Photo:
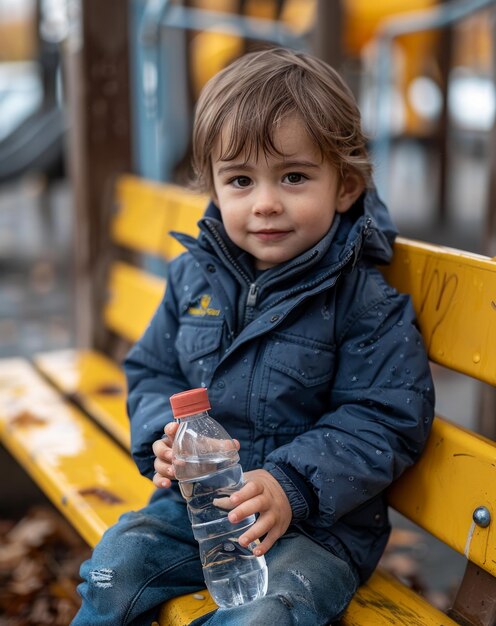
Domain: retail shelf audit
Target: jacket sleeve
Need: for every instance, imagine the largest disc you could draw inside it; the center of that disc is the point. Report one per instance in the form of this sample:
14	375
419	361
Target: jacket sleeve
381	410
153	374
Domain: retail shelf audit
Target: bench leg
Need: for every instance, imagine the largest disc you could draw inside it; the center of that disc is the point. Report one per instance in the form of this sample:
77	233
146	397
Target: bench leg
475	602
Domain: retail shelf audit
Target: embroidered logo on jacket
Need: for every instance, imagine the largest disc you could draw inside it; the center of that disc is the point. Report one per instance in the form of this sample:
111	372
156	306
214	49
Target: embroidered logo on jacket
203	309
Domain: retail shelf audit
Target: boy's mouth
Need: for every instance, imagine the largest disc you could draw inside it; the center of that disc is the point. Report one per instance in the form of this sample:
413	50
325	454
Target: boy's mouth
269	234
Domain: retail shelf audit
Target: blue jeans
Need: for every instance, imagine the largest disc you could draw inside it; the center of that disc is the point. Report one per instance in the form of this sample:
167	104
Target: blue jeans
150	556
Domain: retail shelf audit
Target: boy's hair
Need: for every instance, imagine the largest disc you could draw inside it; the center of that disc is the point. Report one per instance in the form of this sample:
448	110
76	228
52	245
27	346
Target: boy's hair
256	92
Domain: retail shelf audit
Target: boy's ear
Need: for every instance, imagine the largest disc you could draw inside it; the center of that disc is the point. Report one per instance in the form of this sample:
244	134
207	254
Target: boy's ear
349	191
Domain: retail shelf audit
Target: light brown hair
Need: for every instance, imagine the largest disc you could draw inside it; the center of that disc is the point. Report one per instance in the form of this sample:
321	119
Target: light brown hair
256	92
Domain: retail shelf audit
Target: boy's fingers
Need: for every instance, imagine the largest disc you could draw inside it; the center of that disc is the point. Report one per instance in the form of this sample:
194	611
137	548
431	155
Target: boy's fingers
162	451
163	468
159	447
245	509
160	481
223	503
170	429
258	530
266	544
248	491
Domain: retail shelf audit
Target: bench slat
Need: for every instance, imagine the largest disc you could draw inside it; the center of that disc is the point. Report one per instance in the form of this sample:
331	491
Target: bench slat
385	600
142	219
455	475
93	381
91	479
133	297
184	609
441	281
147	211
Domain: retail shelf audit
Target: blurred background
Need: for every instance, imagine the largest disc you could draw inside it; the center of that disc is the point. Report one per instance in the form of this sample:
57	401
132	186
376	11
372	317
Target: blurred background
90	89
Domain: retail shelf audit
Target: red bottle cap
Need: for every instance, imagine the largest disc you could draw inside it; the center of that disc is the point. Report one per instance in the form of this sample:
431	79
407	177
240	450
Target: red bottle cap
189	402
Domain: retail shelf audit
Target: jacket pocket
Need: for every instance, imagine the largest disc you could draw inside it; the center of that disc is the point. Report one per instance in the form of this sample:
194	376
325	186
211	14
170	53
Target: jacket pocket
305	361
197	345
295	388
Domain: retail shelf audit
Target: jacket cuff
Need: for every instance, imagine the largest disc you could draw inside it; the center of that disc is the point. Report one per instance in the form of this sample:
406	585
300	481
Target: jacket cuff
145	465
301	496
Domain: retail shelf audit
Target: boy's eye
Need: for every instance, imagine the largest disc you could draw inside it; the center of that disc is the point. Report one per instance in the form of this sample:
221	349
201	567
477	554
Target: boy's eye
294	178
240	181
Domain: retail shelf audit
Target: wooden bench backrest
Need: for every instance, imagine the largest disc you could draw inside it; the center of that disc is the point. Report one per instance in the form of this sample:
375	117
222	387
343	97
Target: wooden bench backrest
453	295
146	212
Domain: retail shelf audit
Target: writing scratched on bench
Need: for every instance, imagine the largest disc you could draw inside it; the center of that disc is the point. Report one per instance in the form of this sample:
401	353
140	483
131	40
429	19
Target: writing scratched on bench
438	289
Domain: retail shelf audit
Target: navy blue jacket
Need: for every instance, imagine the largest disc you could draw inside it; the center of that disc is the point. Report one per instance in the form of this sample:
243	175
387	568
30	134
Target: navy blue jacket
316	366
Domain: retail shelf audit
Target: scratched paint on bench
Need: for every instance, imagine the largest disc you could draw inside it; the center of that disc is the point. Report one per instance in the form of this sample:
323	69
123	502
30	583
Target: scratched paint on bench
384	600
441	281
73	460
94	382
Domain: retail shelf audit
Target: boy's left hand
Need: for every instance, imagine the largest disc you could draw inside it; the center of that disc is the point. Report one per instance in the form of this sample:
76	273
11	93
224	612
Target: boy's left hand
264	495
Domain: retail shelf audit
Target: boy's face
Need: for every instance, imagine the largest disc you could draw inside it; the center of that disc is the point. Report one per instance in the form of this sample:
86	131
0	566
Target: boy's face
276	207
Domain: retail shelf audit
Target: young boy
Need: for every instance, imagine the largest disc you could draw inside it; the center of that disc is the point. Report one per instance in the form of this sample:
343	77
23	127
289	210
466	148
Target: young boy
311	360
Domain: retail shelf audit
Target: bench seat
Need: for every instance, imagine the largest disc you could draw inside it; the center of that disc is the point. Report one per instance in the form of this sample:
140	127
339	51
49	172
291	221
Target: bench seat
94	382
383	601
87	475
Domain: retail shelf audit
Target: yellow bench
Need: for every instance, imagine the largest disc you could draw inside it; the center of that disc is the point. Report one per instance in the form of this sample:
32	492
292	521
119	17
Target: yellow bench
62	415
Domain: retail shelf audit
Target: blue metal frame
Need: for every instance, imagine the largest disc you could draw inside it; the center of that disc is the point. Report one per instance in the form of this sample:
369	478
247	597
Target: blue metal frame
431	19
161	127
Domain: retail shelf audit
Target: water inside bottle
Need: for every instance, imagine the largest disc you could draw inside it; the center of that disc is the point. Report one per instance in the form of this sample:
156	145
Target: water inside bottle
189	467
233	574
235	579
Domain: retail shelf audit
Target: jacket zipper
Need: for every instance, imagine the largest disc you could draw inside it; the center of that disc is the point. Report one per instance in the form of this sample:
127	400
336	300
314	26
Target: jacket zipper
251	300
252	297
226	252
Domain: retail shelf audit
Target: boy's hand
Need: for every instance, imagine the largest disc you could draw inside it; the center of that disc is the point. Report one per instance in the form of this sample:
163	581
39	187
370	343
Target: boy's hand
264	495
162	448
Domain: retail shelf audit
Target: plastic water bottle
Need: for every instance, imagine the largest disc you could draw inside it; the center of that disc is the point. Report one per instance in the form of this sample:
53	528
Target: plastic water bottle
207	467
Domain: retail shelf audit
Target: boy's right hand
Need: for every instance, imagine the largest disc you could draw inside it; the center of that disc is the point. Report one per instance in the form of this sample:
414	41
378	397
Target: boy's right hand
162	448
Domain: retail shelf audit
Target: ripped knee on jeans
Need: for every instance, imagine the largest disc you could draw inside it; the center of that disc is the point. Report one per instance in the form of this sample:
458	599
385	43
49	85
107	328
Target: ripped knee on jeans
102	577
285	600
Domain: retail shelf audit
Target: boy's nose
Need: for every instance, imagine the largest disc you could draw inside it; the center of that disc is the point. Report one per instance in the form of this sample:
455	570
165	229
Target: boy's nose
267	202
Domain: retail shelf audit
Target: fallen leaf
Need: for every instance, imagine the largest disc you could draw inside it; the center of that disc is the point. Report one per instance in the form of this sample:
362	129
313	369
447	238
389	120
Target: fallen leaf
32	531
11	555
